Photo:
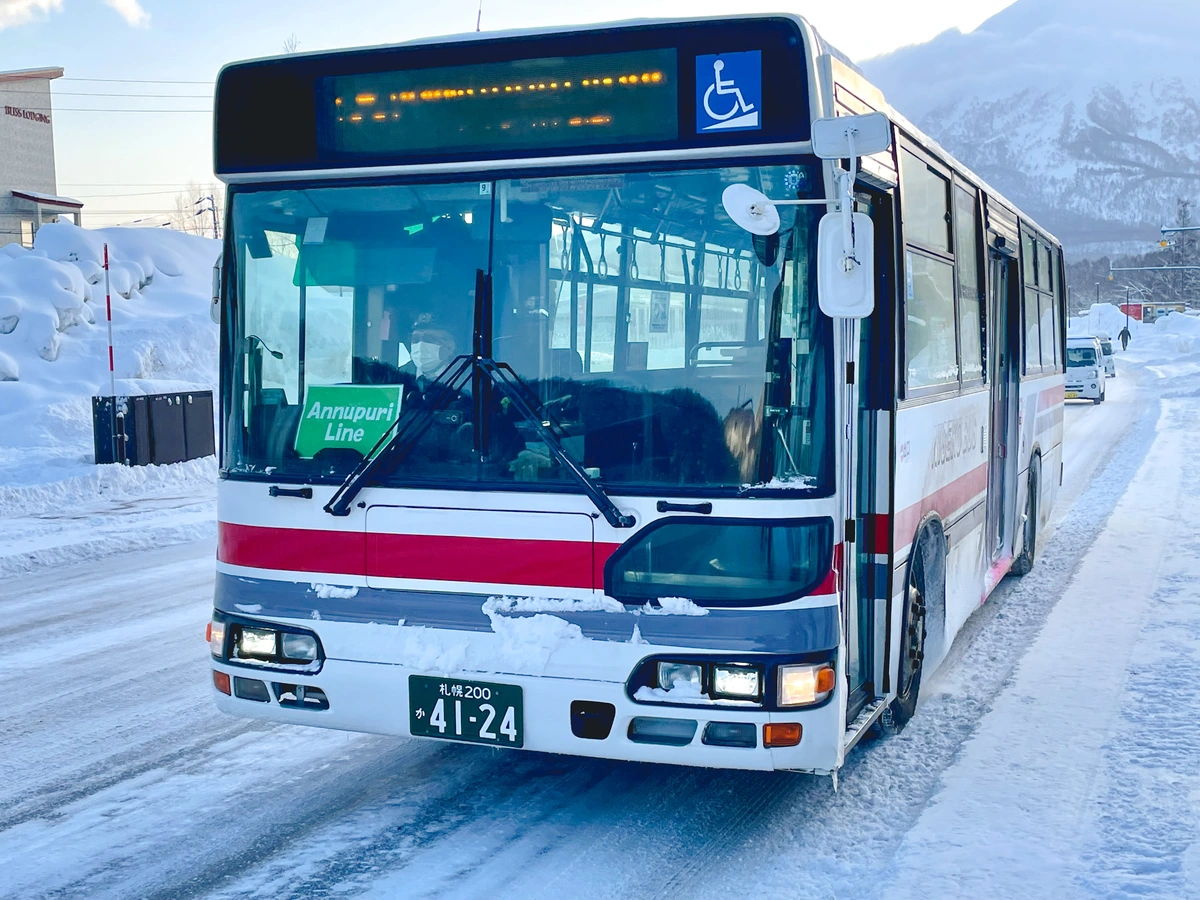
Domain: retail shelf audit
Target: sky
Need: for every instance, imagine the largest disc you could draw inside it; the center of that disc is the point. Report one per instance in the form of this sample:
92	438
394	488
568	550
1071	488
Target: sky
128	166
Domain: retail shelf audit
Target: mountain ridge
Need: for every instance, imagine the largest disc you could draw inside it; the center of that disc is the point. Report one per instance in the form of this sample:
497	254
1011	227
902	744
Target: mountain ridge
1086	115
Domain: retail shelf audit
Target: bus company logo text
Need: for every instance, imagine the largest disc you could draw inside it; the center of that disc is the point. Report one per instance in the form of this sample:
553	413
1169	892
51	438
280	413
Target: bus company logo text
954	439
29	114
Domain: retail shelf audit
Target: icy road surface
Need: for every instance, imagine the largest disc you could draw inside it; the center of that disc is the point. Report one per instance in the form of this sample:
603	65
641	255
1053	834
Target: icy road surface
1058	735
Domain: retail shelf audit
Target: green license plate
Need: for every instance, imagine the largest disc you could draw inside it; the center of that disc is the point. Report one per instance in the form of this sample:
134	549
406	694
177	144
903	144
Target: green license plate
1072	395
475	711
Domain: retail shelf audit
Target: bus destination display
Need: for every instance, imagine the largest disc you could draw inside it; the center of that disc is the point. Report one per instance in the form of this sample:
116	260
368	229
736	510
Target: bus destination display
601	99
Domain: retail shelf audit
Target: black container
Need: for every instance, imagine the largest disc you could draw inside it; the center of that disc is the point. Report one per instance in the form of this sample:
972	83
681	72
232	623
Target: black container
153	429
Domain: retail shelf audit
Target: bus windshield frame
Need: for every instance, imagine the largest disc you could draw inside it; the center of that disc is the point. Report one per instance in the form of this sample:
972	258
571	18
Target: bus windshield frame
719	384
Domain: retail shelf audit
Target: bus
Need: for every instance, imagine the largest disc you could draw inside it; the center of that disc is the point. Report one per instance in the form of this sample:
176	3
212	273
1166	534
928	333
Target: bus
588	391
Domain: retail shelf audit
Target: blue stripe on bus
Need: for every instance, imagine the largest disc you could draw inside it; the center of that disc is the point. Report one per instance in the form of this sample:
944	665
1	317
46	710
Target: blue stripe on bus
760	631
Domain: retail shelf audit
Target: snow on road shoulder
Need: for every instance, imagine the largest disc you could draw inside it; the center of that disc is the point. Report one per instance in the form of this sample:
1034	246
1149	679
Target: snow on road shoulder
56	505
1016	812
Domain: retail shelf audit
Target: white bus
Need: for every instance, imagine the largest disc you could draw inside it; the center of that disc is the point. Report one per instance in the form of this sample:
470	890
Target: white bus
536	430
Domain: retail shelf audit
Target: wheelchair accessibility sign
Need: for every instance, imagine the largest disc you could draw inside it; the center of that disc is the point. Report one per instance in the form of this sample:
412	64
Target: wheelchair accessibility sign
729	91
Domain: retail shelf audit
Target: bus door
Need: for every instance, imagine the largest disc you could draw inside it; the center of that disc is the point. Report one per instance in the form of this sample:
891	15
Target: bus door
866	580
1003	358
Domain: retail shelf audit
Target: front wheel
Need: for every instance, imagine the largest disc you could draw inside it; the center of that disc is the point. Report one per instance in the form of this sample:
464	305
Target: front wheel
912	649
1023	564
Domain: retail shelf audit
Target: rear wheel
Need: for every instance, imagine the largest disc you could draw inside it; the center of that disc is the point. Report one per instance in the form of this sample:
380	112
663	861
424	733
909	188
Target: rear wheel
1024	563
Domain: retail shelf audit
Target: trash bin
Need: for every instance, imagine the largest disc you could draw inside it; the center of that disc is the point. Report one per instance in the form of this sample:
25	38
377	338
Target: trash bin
153	429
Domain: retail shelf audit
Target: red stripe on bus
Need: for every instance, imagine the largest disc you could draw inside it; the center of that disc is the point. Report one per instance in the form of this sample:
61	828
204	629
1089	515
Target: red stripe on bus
945	501
567	564
573	564
1054	396
292	549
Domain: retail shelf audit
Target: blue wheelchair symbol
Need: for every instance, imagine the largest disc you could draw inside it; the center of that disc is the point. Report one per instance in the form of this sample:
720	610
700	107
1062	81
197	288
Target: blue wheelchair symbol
729	91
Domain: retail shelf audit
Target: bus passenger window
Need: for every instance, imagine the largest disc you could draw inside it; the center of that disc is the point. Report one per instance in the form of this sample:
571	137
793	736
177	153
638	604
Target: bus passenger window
925	203
1033	357
966	253
929	330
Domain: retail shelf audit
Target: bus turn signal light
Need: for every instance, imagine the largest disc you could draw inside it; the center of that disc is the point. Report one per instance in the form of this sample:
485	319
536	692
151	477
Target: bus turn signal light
221	682
781	734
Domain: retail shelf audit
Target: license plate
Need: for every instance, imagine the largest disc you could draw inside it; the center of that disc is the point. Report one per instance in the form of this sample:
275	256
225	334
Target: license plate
475	711
1072	395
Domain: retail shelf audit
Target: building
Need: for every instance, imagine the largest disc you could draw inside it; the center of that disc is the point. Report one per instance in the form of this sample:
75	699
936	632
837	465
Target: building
28	186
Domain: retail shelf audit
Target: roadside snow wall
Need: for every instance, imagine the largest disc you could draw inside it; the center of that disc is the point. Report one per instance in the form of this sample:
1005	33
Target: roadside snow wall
53	337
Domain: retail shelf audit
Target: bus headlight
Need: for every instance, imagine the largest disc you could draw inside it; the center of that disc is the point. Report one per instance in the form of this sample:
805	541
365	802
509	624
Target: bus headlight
738	682
299	647
805	685
256	643
671	674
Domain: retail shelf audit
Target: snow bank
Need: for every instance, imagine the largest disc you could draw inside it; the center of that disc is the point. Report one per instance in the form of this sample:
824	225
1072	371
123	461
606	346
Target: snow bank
53	338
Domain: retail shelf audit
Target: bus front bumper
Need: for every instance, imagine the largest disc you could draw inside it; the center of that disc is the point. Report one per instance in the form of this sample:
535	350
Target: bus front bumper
374	698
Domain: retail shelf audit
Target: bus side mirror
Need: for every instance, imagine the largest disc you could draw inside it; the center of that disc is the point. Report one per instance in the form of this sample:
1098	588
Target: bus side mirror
846	239
846	283
214	308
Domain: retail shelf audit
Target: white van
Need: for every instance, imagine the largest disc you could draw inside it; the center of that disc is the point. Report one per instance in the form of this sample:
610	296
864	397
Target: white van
1106	347
1085	369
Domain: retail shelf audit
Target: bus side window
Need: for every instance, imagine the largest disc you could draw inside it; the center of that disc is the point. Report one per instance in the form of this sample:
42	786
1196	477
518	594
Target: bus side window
1033	344
966	252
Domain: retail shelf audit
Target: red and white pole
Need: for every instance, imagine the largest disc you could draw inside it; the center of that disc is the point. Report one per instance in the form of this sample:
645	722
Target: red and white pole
118	418
112	378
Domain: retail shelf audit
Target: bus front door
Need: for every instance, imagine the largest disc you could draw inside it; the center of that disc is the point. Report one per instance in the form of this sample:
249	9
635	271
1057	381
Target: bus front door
1003	359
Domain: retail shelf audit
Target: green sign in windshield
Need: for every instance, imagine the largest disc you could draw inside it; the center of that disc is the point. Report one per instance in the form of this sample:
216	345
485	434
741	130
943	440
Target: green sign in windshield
346	416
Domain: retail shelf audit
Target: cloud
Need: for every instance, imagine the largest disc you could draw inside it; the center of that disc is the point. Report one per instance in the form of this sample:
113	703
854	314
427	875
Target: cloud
129	10
16	12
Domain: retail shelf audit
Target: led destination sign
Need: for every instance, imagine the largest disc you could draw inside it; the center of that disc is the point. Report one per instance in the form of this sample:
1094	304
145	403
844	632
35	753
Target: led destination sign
567	102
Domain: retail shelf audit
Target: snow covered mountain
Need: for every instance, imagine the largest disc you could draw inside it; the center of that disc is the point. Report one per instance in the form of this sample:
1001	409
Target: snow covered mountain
1086	113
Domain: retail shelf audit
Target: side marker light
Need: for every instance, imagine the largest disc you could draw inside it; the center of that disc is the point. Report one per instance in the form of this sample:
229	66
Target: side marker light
781	734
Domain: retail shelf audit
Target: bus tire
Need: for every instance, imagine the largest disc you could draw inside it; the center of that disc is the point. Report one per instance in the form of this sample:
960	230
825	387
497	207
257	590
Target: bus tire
912	647
1023	564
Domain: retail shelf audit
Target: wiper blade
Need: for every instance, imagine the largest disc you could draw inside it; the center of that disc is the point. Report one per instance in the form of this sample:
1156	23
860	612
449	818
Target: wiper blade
518	394
403	435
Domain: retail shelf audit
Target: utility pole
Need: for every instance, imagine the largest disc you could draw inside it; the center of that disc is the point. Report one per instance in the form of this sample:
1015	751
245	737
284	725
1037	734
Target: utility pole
210	208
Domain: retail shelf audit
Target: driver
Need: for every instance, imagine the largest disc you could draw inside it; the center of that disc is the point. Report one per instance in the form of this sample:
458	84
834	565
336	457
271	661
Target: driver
431	348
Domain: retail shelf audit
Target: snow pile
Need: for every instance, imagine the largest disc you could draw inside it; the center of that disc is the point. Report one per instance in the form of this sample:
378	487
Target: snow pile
674	606
1101	318
53	337
509	605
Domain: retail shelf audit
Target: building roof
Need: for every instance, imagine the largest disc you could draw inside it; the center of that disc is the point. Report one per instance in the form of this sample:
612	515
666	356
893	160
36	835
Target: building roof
48	74
49	199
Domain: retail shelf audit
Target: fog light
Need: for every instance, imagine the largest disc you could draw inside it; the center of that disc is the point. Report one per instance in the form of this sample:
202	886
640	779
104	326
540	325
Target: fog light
258	643
804	685
742	682
302	647
671	674
782	734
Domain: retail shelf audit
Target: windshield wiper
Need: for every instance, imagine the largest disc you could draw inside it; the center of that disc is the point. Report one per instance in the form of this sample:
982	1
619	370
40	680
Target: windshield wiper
404	433
519	394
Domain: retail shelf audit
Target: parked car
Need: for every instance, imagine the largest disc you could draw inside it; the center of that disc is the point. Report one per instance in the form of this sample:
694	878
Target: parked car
1110	363
1085	368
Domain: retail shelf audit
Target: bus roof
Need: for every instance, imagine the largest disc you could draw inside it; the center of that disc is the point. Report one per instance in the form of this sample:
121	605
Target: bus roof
819	48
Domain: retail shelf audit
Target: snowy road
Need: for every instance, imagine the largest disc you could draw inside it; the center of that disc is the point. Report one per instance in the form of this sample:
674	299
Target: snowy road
119	779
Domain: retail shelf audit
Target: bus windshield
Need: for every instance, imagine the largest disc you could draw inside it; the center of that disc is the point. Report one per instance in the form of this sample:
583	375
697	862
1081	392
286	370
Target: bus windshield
666	346
1081	356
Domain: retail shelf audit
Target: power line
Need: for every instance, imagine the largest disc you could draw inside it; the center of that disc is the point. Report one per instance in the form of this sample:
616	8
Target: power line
159	96
134	81
59	109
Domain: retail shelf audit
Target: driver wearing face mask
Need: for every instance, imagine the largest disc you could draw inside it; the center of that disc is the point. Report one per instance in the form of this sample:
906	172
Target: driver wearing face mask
431	349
